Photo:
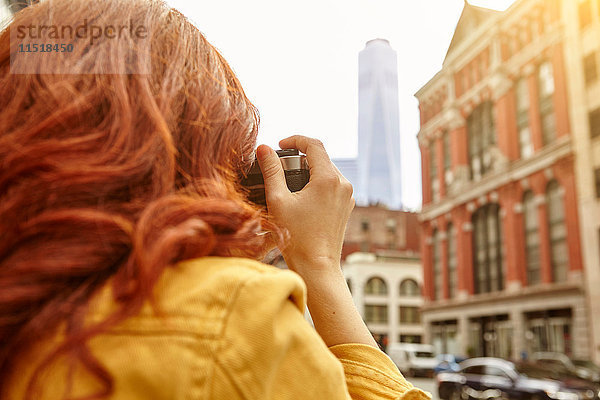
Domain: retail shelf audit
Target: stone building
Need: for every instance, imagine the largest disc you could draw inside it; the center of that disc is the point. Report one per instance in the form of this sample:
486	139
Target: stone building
507	139
386	289
382	266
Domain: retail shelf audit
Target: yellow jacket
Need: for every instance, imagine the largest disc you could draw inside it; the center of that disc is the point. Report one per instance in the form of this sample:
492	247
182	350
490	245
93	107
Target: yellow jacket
230	328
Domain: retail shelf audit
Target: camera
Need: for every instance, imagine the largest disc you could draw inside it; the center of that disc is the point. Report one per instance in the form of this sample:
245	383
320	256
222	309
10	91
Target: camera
296	172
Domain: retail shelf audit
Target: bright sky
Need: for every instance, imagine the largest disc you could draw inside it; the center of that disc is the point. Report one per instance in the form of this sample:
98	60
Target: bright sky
298	62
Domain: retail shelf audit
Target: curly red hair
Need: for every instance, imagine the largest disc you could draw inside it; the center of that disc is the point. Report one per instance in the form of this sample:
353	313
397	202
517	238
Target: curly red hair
115	175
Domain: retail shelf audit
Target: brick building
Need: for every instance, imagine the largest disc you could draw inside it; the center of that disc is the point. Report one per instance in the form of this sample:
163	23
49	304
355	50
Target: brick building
501	140
375	228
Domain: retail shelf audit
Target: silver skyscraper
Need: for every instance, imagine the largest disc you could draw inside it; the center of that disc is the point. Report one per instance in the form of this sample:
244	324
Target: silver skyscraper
378	125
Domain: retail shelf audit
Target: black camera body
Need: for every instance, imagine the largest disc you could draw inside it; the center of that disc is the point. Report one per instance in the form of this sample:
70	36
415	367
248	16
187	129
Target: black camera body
296	172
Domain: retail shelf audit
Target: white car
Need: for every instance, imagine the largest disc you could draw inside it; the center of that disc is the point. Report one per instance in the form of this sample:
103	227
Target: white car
413	359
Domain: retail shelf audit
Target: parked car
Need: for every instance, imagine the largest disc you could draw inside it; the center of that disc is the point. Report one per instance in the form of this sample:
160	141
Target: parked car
448	363
495	378
582	368
413	359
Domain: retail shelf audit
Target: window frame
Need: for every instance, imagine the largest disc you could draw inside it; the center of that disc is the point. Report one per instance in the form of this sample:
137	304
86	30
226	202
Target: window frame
522	104
481	134
590	68
531	225
594	121
371	289
557	232
409	293
546	102
452	261
437	265
488	268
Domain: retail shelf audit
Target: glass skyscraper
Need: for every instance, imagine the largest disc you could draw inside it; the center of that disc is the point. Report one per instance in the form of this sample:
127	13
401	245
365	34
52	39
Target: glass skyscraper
377	170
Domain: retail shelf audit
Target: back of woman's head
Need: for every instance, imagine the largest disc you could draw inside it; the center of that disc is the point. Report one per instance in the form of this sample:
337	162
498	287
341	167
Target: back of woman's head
110	173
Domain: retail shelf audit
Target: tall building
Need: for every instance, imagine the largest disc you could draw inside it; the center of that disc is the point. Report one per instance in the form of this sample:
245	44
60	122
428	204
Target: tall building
378	178
378	125
510	149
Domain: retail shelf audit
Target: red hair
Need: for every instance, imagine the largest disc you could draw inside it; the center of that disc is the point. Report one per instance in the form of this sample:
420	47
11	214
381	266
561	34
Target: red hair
115	176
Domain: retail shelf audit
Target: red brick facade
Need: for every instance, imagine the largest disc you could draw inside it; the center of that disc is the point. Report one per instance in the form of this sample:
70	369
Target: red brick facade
495	172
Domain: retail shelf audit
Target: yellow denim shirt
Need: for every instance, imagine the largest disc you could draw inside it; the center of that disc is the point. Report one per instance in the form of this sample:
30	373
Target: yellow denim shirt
230	328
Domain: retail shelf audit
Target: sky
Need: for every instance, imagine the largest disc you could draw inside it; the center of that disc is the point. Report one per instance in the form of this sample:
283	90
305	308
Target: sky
298	63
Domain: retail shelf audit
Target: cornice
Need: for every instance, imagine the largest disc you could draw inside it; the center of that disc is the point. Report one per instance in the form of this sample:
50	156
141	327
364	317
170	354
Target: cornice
510	172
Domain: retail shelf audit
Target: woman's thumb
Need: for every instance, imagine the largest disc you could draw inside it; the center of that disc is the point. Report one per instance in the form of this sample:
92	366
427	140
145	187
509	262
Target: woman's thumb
272	172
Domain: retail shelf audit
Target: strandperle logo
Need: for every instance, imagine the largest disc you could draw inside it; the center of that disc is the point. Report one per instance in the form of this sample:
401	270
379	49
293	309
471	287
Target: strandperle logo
82	31
84	47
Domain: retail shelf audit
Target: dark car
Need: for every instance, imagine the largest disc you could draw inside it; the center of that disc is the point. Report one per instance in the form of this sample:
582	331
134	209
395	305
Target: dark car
494	378
582	368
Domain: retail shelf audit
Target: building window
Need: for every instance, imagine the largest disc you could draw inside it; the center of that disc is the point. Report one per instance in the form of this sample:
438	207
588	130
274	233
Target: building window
391	229
376	286
365	242
558	232
480	128
447	159
437	266
487	247
597	176
435	185
444	337
452	277
410	338
525	144
595	123
409	287
585	13
532	239
550	330
377	314
364	225
410	315
590	69
546	90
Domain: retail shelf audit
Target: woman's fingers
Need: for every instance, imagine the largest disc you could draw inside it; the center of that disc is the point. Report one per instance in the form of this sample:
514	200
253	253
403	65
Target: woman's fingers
316	155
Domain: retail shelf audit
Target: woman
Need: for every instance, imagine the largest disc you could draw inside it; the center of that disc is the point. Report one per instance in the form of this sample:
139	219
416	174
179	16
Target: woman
128	248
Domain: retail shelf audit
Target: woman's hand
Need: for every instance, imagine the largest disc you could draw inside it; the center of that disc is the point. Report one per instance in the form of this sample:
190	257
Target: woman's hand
316	218
317	215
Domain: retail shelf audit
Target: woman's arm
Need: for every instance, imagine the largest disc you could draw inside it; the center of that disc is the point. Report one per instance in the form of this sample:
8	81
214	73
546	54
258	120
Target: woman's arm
316	219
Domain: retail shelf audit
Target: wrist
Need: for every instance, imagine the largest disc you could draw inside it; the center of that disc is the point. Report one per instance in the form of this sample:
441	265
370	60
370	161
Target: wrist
316	268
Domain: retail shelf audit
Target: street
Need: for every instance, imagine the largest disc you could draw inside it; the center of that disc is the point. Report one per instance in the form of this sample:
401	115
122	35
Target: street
426	384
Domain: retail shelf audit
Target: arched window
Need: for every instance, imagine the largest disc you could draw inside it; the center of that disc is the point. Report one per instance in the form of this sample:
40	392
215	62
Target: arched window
487	245
558	232
532	239
409	287
376	286
452	277
546	93
437	266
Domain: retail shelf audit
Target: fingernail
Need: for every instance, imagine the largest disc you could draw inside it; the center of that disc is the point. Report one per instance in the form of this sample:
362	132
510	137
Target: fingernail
263	151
